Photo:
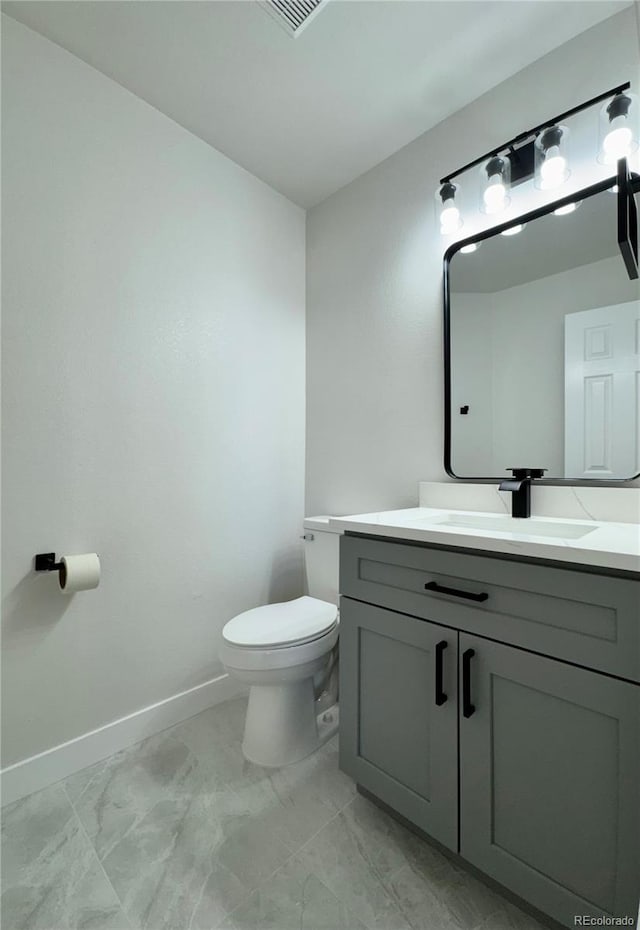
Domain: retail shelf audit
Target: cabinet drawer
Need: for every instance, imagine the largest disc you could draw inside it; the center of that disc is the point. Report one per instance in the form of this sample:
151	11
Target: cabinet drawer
590	620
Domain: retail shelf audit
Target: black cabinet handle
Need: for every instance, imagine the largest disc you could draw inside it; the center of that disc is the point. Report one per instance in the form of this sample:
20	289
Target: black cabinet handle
440	588
441	697
467	707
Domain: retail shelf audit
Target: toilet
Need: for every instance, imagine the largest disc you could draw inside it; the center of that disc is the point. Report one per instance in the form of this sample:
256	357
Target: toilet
287	654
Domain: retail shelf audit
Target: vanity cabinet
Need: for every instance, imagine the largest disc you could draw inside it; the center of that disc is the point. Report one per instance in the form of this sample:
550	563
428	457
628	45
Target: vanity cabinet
456	716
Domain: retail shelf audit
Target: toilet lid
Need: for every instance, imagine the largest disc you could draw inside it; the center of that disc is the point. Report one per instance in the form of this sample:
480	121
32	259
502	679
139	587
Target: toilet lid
297	621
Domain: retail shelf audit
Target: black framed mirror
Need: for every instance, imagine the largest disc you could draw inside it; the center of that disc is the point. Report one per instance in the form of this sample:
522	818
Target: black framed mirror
542	342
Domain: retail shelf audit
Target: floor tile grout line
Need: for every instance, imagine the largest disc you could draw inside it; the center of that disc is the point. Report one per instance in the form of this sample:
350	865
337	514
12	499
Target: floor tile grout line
134	746
95	853
291	854
233	788
289	858
102	763
197	902
374	869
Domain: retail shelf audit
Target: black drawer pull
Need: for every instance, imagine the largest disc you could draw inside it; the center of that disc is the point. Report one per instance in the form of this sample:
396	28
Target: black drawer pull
467	595
468	709
441	697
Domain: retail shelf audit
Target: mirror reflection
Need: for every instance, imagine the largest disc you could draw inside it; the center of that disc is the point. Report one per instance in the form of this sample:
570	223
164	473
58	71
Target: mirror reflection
545	350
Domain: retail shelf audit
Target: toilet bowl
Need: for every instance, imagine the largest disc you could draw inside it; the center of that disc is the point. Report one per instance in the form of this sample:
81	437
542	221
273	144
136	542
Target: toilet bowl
287	653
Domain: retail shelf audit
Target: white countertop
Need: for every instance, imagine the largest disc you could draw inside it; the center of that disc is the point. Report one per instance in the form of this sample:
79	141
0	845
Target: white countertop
608	545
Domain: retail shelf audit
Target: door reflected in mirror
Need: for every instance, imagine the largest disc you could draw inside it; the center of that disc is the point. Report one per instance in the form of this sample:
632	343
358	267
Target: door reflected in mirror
544	361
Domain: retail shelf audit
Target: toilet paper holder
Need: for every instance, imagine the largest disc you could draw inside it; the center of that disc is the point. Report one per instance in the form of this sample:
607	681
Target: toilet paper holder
46	562
75	572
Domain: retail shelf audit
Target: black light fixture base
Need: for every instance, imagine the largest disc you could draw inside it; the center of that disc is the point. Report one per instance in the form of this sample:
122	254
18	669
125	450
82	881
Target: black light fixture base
522	162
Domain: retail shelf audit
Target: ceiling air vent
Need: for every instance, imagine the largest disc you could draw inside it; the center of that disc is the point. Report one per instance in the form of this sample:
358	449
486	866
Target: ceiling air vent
293	15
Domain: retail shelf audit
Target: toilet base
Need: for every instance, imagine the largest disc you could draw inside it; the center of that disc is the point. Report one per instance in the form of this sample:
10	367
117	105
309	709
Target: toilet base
283	725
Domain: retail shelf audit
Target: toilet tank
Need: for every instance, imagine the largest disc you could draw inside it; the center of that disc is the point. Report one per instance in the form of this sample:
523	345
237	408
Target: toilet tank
321	547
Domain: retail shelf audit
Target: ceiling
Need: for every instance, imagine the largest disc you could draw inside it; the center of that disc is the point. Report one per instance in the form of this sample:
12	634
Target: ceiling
546	246
310	114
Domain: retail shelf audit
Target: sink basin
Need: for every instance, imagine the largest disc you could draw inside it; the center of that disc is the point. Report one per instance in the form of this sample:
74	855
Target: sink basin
527	527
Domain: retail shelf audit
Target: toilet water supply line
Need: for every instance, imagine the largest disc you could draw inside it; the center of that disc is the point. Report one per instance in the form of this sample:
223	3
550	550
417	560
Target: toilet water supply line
324	681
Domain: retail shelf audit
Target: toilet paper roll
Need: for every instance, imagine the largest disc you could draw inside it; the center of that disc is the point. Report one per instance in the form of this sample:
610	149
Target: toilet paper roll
79	572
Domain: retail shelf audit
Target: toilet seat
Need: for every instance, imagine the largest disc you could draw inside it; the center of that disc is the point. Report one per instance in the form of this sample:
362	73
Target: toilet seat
281	626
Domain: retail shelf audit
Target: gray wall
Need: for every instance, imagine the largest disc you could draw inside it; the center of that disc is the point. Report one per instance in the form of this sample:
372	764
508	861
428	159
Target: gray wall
374	276
153	302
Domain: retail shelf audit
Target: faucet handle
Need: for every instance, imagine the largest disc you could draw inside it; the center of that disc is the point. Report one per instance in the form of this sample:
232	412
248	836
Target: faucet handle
520	473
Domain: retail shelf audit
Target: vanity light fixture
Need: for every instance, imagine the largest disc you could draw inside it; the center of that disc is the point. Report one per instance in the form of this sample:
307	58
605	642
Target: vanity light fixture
447	200
540	153
496	177
472	247
618	128
513	230
551	158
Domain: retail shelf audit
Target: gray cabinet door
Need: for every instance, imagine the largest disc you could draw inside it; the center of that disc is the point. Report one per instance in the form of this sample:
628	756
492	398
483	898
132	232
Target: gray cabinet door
395	739
549	781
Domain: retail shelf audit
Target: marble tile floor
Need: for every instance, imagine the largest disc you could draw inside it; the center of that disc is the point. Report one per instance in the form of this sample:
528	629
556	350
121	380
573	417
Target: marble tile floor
181	833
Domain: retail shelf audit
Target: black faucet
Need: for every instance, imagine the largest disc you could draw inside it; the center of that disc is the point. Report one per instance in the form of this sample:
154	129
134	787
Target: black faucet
520	486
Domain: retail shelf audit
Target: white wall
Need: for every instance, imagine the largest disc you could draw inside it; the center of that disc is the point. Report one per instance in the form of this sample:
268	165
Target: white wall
472	434
154	396
374	278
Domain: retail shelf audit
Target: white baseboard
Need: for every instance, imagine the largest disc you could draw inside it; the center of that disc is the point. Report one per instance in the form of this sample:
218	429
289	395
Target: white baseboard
48	767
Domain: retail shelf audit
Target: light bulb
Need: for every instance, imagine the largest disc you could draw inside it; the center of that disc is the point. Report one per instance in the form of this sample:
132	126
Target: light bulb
553	170
568	208
449	217
495	196
618	128
472	247
496	184
447	210
617	142
551	157
513	231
